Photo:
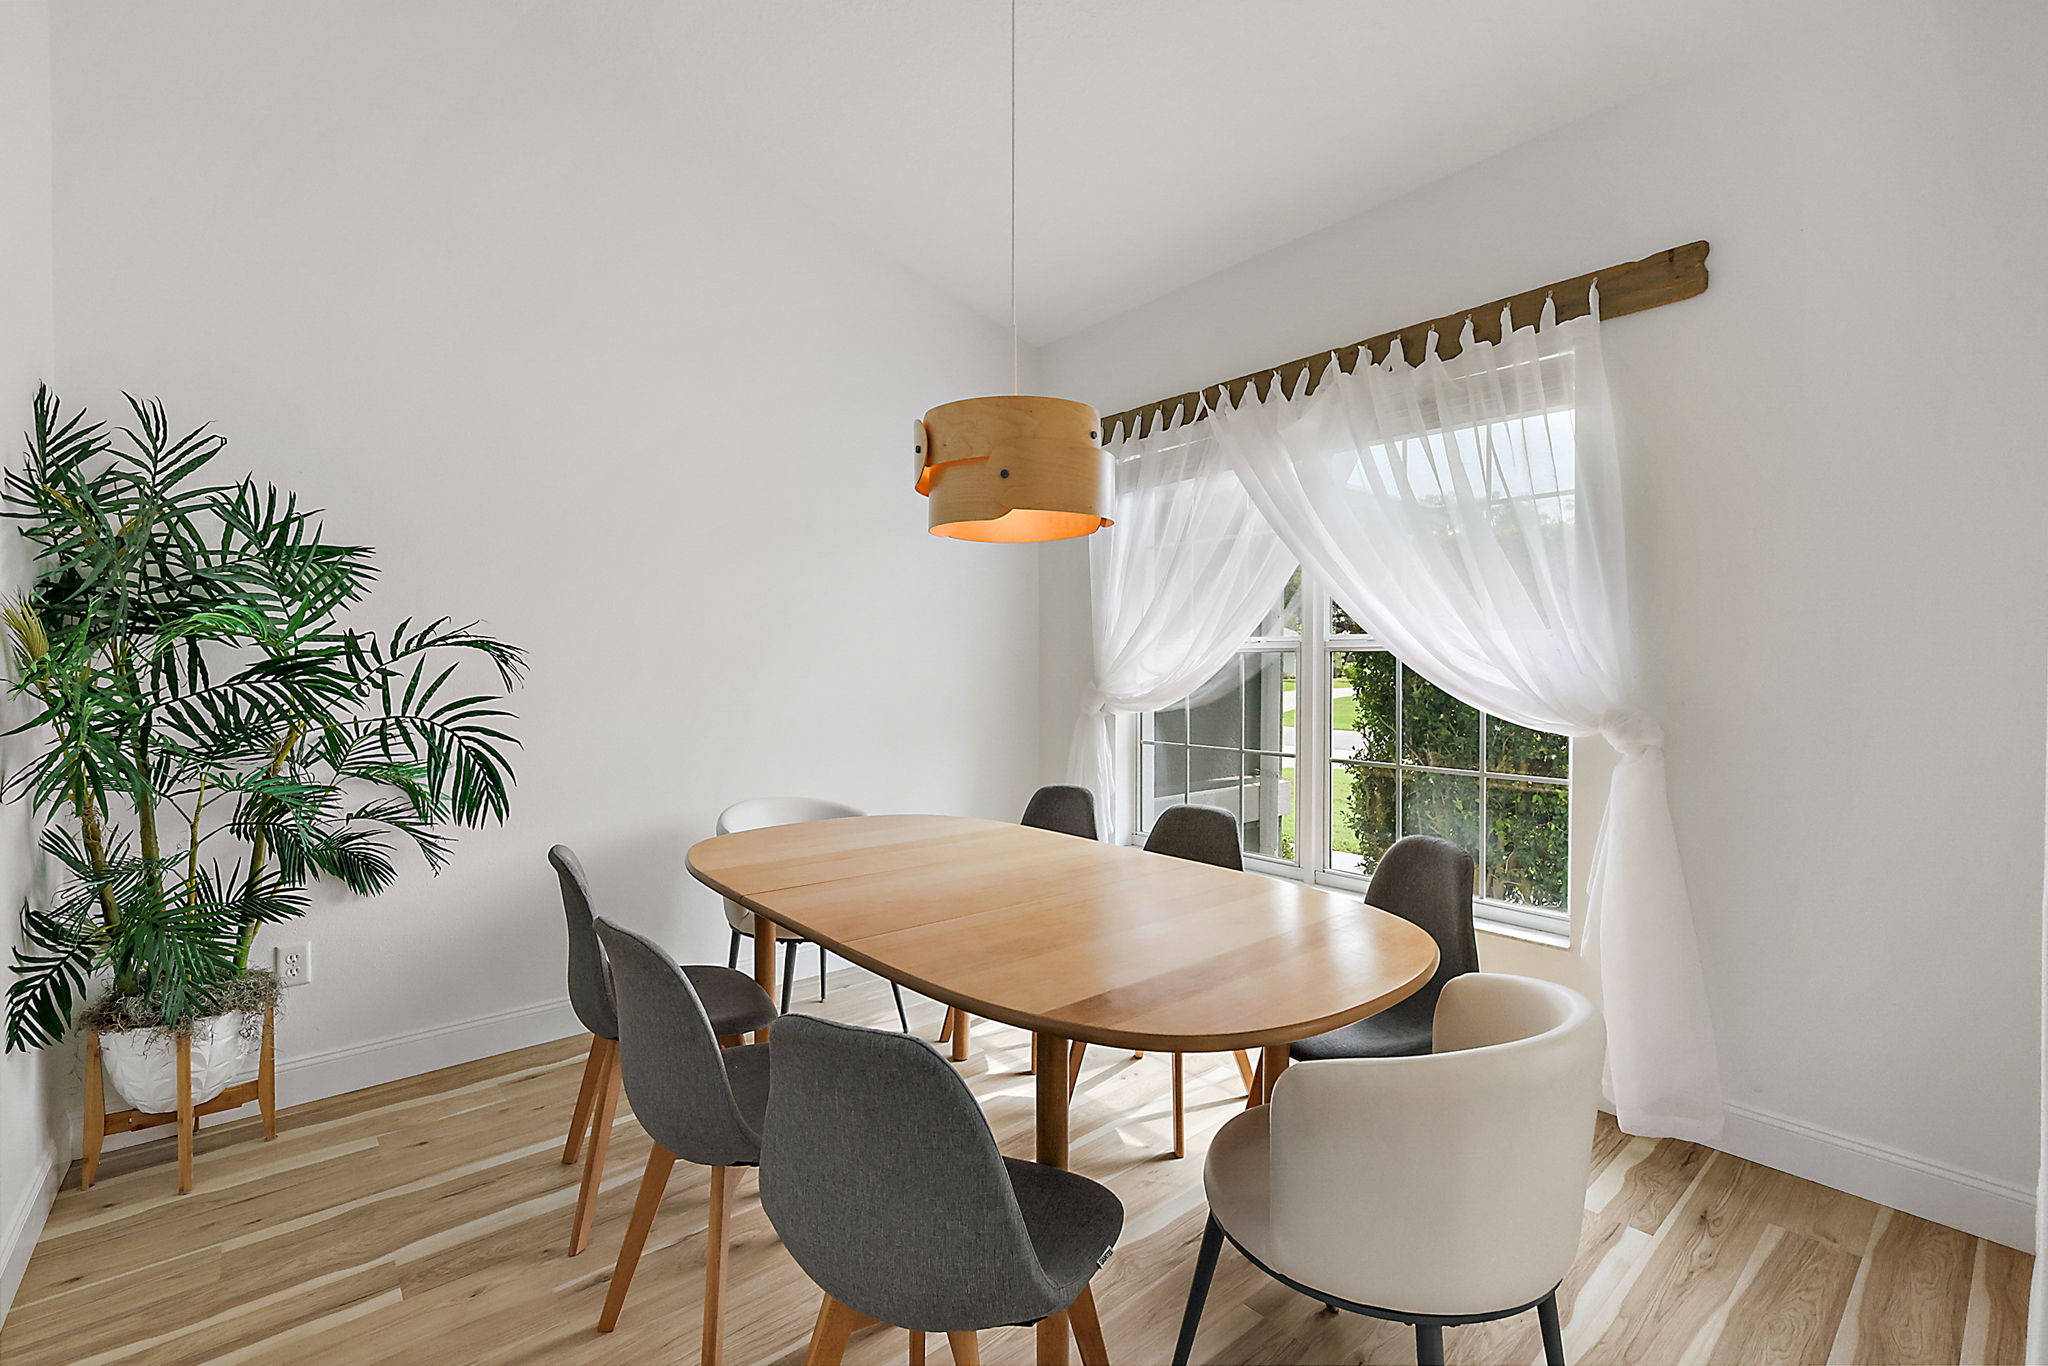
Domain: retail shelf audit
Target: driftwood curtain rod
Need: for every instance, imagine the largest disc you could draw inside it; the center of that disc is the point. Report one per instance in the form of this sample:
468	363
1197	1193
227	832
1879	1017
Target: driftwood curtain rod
1665	278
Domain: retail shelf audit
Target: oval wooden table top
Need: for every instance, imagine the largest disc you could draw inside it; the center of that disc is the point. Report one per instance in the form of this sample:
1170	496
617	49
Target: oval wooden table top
1071	937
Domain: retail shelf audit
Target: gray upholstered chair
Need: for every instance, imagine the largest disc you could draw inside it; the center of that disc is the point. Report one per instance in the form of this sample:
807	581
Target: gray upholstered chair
1068	811
735	1005
1428	882
699	1102
1200	834
879	1172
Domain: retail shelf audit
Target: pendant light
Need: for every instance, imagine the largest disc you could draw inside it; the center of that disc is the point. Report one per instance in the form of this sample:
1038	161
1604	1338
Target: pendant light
1013	467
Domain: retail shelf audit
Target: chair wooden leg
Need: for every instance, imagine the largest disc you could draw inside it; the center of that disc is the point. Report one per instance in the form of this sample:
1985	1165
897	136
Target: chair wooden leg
916	1348
95	1110
1245	1070
731	1040
960	1022
717	1243
1054	1338
601	1115
1075	1052
966	1348
1256	1096
1180	1112
586	1097
946	1029
188	1123
1032	1070
836	1323
266	1074
1087	1328
652	1185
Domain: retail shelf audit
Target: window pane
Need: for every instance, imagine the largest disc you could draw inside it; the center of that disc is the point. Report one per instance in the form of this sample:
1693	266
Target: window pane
1216	711
1285	618
1268	697
1214	778
1517	749
1362	704
1267	806
1526	859
1170	724
1437	729
1442	804
1362	825
1164	779
1341	623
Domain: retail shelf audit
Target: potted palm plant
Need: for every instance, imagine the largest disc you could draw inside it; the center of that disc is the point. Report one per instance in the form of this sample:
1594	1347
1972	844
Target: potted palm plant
209	737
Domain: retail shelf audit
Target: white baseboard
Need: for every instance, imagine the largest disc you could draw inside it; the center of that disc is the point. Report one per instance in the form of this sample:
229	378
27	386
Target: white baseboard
337	1071
24	1224
1970	1201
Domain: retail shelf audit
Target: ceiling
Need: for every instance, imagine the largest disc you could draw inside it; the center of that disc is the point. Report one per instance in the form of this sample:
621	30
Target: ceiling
1159	141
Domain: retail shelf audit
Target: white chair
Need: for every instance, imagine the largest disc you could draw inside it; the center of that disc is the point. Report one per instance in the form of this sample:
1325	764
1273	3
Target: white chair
1433	1190
758	813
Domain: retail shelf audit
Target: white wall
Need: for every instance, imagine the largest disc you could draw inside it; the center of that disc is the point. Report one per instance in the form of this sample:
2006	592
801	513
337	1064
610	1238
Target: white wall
569	381
30	1132
1837	486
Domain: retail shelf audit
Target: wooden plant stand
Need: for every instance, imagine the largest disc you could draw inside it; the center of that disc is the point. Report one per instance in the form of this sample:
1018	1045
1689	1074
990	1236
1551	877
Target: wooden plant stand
98	1123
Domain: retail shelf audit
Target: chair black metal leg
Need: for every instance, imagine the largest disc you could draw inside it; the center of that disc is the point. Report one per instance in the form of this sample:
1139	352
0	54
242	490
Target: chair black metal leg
1198	1290
788	973
1553	1332
821	972
902	1015
1429	1344
732	955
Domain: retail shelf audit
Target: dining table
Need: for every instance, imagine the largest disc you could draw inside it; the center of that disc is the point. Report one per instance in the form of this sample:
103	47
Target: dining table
1075	940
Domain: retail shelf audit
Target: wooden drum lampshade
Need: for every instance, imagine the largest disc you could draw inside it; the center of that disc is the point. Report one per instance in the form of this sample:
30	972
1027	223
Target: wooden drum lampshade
1015	467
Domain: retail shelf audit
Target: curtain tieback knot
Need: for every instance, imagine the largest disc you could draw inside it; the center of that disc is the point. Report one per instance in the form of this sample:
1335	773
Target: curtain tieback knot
1631	731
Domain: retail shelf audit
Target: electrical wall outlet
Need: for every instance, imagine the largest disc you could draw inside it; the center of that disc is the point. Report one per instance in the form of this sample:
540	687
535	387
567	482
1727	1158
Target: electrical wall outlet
293	964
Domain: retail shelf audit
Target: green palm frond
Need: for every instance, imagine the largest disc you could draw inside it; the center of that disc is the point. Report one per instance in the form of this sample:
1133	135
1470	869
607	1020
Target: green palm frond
189	677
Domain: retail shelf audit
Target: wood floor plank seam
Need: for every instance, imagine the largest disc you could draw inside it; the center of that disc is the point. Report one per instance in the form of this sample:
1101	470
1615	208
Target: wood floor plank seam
424	1221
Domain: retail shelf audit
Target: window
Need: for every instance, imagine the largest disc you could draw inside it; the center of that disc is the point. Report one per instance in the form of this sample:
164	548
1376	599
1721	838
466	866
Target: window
1328	749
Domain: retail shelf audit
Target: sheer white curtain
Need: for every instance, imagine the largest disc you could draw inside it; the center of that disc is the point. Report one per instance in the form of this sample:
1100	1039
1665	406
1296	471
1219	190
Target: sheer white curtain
1189	572
1467	512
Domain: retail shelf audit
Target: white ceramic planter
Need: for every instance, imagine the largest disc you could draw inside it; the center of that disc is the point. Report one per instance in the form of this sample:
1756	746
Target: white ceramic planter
142	1064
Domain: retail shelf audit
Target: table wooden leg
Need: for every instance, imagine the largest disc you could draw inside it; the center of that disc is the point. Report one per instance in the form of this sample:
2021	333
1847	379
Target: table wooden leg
1271	1064
764	966
1053	1339
959	1036
1180	1106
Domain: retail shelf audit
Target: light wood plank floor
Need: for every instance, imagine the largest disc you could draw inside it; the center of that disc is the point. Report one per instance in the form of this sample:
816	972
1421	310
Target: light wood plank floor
426	1221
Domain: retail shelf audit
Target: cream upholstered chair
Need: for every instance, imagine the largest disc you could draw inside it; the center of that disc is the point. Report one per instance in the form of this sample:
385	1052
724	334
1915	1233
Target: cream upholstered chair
758	813
1434	1190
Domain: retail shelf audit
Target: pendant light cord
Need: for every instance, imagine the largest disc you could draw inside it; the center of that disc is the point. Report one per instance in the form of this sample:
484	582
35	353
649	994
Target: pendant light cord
1013	197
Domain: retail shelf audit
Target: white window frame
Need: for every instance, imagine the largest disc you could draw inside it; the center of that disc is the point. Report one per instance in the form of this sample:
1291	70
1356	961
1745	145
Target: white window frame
1313	650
